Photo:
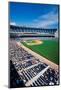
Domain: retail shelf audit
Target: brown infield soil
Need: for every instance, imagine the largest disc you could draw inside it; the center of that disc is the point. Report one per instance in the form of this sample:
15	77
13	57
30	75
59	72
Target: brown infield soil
41	58
36	42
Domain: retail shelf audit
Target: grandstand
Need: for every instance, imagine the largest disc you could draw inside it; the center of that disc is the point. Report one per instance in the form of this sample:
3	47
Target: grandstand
32	71
29	71
22	31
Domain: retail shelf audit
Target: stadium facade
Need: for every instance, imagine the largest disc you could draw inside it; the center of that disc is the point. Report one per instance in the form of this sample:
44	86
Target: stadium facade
22	31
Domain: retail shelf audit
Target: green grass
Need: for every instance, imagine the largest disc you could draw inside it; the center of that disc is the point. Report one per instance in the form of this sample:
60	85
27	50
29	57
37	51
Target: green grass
49	49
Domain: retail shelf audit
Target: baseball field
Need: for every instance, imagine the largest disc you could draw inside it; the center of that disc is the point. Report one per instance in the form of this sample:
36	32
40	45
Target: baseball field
47	48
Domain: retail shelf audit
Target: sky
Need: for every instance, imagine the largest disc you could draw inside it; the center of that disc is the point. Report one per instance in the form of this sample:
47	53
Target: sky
33	15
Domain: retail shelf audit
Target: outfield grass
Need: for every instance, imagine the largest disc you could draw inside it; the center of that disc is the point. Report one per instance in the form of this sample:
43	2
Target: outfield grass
48	49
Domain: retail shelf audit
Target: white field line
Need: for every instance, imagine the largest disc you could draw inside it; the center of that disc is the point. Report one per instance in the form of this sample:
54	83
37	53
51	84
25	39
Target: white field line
41	58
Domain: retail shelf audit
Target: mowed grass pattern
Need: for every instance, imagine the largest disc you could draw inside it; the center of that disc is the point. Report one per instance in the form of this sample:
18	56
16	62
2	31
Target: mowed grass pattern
49	49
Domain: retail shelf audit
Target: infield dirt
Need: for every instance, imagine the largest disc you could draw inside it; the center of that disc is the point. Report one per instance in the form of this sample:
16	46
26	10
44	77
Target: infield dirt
33	42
